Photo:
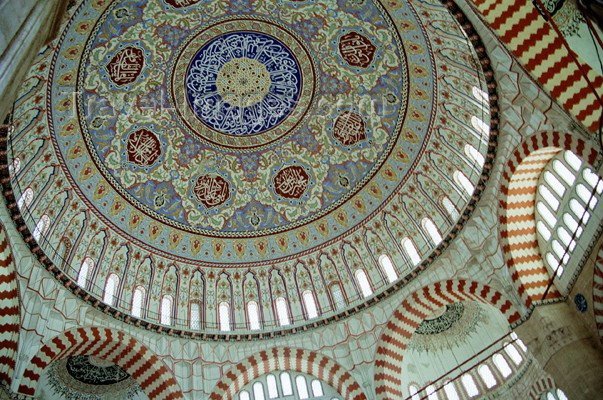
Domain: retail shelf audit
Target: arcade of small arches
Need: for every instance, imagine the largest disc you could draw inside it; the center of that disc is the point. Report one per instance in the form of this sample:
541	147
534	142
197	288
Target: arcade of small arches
445	243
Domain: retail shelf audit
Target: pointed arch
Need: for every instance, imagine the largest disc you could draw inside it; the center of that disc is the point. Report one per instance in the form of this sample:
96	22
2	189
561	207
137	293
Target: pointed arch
410	314
153	376
277	359
10	318
516	209
598	292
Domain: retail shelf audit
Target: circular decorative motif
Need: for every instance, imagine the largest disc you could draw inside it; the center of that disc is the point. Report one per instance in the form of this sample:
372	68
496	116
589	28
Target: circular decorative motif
581	302
453	313
92	371
243	83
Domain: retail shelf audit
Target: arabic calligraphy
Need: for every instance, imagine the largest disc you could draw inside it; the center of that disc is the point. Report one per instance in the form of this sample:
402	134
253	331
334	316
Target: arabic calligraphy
243	102
349	128
291	182
181	3
356	50
143	148
211	191
126	66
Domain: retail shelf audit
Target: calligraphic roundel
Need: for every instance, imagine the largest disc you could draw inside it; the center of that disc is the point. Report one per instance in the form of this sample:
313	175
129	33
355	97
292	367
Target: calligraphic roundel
143	148
211	191
349	128
291	182
356	50
125	67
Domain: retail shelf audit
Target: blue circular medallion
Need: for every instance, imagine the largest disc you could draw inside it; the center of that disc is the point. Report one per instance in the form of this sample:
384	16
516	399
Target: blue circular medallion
243	83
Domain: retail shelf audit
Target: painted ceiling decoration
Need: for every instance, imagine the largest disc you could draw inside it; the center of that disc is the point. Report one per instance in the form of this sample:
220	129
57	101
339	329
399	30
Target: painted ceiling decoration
235	151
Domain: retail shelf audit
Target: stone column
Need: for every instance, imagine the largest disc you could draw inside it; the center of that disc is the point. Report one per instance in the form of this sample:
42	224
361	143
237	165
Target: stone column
566	349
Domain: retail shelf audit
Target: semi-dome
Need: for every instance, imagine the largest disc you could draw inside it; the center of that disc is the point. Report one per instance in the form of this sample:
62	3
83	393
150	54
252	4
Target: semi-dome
243	169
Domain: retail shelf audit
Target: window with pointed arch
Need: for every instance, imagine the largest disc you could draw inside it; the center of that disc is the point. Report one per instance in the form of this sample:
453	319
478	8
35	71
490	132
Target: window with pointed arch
253	315
111	285
568	196
167	308
337	296
363	283
450	208
41	228
432	231
388	268
138	301
195	317
411	251
25	199
224	316
282	311
310	304
463	182
82	276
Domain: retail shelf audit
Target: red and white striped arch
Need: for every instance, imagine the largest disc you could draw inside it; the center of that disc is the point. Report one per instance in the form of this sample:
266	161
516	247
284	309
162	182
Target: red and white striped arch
541	386
10	319
409	315
153	376
517	204
541	51
291	359
598	292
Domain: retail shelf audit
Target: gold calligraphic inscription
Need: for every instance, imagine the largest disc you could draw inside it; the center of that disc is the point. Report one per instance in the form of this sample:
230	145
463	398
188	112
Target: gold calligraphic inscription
126	66
143	148
211	191
349	128
291	182
357	50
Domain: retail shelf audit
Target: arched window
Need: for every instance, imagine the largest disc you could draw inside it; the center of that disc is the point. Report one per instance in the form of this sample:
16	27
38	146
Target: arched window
450	391
317	388
310	304
82	276
543	230
547	215
272	386
137	300
560	394
480	126
110	289
469	385
450	208
463	182
554	183
475	156
258	391
414	392
337	295
16	166
253	314
586	196
432	231
286	384
411	251
593	180
41	227
502	365
302	387
25	199
166	310
195	320
388	268
363	283
244	395
480	95
568	176
519	342
431	392
487	377
549	197
282	313
550	396
224	316
512	352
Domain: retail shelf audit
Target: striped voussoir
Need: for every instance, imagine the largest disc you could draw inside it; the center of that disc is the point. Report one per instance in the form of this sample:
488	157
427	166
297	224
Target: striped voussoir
10	319
413	310
153	376
542	53
541	386
598	292
518	233
291	359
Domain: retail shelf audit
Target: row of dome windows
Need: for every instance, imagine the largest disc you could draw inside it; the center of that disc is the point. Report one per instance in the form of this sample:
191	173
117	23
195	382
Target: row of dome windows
569	183
271	388
470	386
